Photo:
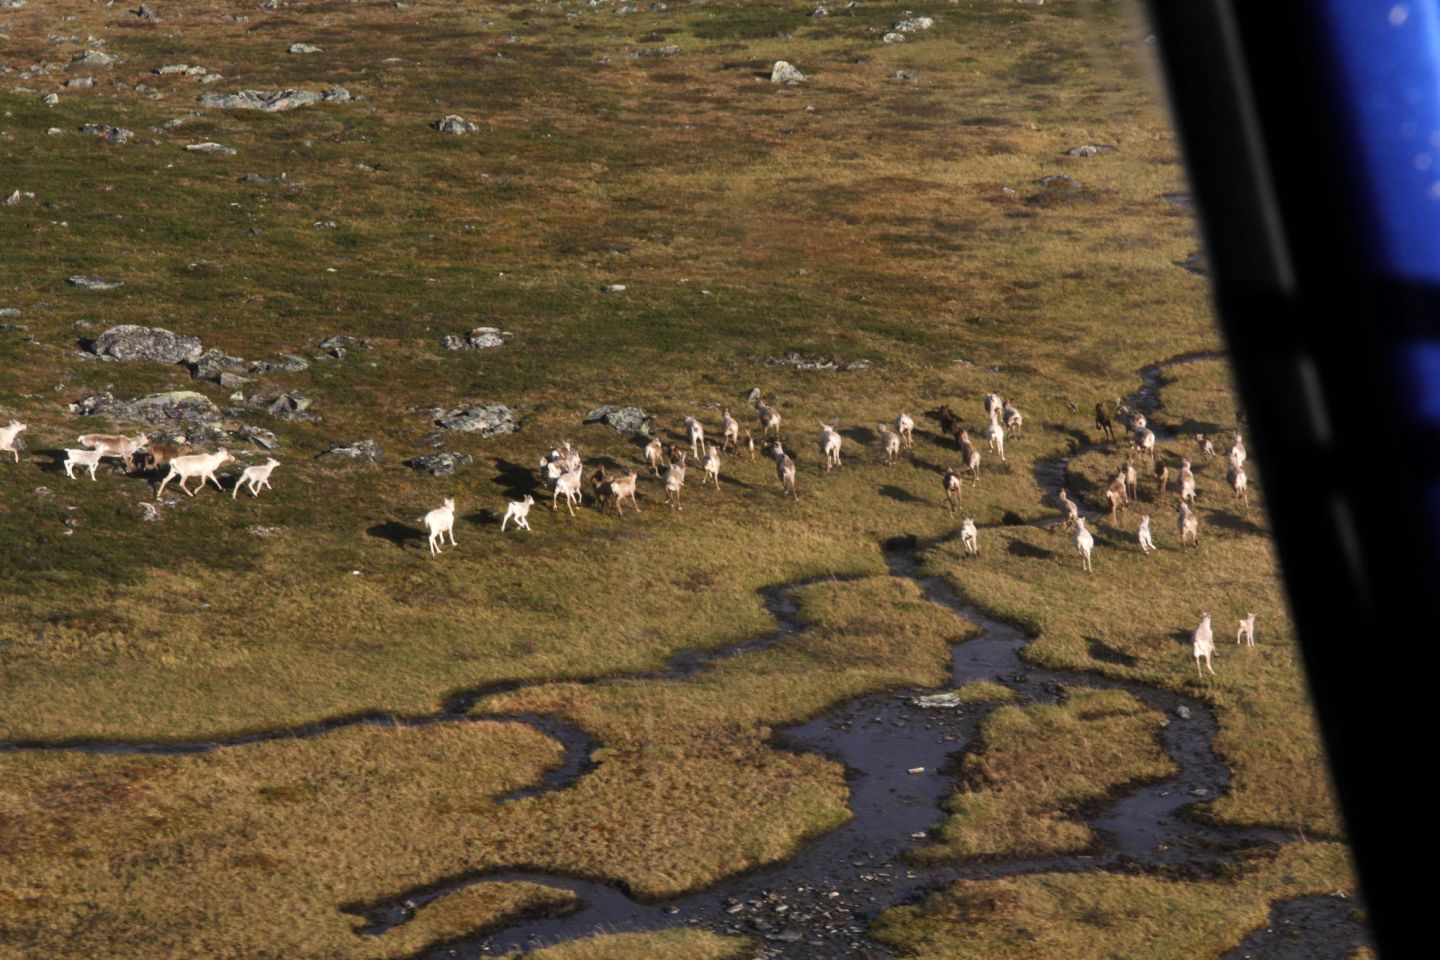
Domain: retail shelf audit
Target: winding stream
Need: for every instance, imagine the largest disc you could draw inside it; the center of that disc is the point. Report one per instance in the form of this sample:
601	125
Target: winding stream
820	903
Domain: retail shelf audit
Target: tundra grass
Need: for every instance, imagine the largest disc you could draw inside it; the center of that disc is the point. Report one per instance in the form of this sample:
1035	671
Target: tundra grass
885	210
672	944
1034	767
1104	915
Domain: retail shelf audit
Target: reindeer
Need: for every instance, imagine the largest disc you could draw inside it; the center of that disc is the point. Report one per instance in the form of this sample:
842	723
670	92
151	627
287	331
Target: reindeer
712	467
1069	511
889	444
952	484
829	446
622	489
695	433
905	427
674	480
969	537
784	469
256	475
969	455
1203	645
769	420
438	523
1103	422
519	511
729	431
8	434
1247	630
202	465
654	451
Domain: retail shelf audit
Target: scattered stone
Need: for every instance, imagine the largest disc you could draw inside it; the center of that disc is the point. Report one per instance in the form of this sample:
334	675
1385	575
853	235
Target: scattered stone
906	75
621	419
92	58
287	406
784	72
613	288
303	48
1088	150
231	381
185	68
18	196
108	133
184	405
488	420
669	50
210	147
340	343
260	437
1183	712
51	99
288	363
1058	180
9	311
820	11
455	124
79	83
367	450
914	25
326	225
12	5
260	531
801	362
440	464
273	101
915	770
158	345
148	511
481	338
893	36
937	701
144	12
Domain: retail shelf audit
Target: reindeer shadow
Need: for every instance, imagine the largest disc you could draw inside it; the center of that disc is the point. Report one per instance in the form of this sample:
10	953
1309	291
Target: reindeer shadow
1029	551
899	493
1103	652
1078	438
400	534
1230	521
861	435
481	518
516	479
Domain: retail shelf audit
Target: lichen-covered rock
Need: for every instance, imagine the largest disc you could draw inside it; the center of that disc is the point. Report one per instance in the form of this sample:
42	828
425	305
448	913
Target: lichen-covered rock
488	420
186	405
92	58
481	338
156	344
455	124
785	72
273	101
621	419
108	133
440	464
212	363
94	283
364	450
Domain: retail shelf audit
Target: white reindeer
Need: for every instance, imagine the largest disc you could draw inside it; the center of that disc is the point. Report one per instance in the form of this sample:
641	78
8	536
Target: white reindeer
829	446
996	435
674	480
1204	645
623	488
83	459
695	433
889	444
1084	543
519	511
905	426
769	419
1189	525
202	465
1237	451
712	467
969	537
729	430
568	485
994	406
1247	630
654	453
970	455
115	445
1145	442
1187	481
784	469
257	476
1146	542
1014	422
438	523
1069	510
1207	449
8	434
1240	484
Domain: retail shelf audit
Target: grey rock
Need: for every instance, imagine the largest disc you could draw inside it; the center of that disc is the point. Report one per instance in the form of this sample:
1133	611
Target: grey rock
51	99
184	405
1088	150
784	72
273	101
621	419
1178	199
79	83
92	58
212	362
210	146
148	511
303	48
894	36
231	381
1054	180
820	11
343	342
906	75
1183	712
108	133
452	342
801	361
914	25
481	338
185	68
285	405
145	12
613	288
937	701
9	311
12	5
440	464
366	450
155	344
669	50
488	420
260	437
13	327
455	124
19	196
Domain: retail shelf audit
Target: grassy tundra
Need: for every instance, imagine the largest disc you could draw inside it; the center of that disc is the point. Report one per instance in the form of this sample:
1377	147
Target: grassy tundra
887	209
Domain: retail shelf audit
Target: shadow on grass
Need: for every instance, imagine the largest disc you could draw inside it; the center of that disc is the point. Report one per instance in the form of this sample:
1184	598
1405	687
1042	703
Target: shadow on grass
1029	551
516	480
396	532
899	493
1234	522
1104	653
861	435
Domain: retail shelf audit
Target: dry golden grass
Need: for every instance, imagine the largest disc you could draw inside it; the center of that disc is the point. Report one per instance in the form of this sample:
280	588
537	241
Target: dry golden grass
984	691
671	944
1033	769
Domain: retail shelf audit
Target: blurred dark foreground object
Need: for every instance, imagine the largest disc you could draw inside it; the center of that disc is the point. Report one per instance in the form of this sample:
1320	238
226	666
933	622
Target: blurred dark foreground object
1311	131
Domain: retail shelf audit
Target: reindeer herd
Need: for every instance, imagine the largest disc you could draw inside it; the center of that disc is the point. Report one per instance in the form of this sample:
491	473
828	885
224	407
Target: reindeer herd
562	472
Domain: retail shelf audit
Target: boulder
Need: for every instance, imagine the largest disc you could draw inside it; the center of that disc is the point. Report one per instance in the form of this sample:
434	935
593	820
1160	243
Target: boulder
92	58
621	419
108	133
302	48
784	72
343	342
488	420
212	363
94	283
158	345
481	338
914	25
440	464
273	101
366	450
455	124
186	405
209	146
1088	150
